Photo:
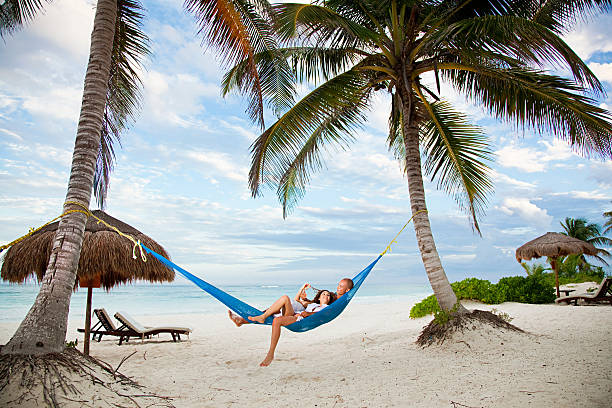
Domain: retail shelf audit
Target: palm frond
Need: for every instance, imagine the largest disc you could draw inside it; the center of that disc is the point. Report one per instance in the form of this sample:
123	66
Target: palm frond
512	36
546	103
326	115
105	161
561	15
336	129
321	63
608	224
130	48
395	140
276	77
456	155
321	25
14	14
237	29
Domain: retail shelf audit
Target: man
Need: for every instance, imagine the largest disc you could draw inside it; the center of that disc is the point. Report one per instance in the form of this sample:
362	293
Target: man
344	286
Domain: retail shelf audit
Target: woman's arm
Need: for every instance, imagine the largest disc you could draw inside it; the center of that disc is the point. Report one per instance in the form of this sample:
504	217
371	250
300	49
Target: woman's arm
301	295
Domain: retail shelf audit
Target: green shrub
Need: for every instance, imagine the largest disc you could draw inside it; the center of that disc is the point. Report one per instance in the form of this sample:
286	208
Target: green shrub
426	306
536	288
471	288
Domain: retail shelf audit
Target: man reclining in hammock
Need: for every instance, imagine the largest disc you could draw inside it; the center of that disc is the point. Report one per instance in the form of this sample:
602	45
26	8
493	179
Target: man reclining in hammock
289	315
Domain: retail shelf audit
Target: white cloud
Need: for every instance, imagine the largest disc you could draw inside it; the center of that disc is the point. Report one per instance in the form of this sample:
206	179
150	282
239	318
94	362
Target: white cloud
602	173
60	102
246	132
523	158
504	178
602	71
586	195
532	160
525	209
591	37
517	231
67	24
11	134
222	164
176	98
458	257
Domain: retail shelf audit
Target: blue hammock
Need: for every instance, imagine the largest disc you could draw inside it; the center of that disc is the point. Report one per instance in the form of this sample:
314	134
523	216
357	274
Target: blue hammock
324	316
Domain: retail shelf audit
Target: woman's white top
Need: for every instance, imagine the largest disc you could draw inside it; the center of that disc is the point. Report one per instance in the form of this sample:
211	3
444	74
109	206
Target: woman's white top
312	308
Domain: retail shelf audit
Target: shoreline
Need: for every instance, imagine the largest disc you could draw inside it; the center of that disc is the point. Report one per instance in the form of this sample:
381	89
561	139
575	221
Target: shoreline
367	358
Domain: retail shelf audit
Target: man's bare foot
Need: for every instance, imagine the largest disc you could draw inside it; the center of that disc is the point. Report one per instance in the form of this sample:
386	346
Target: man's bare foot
238	321
266	362
258	319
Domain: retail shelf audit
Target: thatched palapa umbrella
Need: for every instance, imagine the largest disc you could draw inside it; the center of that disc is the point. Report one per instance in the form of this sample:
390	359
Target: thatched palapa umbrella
554	245
106	259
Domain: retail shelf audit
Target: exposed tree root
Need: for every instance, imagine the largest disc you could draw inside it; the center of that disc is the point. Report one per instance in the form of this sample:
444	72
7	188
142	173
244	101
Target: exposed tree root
435	333
68	379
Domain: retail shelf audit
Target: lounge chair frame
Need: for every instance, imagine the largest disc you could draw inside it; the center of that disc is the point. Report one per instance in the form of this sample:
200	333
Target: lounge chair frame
104	326
130	328
602	294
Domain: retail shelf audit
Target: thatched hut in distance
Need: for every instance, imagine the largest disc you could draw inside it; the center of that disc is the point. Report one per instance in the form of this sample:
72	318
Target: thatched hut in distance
554	245
106	258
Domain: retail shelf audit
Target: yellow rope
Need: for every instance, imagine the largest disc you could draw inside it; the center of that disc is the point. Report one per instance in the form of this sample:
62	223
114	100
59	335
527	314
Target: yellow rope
88	213
393	241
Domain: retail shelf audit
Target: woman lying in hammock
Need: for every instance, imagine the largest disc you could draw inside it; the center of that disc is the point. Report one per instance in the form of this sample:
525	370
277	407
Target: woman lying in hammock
286	316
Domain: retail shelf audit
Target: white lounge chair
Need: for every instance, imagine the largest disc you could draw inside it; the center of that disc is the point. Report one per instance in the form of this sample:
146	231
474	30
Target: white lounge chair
131	328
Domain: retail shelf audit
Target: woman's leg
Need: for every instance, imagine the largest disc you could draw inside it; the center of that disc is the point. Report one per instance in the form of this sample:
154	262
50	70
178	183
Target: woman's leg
276	331
283	303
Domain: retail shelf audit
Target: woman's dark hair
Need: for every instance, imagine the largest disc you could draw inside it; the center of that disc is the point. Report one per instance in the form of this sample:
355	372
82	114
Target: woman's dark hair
332	296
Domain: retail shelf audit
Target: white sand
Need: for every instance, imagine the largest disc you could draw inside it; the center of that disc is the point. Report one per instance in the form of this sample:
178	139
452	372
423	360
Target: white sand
367	358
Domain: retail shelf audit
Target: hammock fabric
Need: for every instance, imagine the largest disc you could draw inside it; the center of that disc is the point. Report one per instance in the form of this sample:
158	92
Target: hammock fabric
244	310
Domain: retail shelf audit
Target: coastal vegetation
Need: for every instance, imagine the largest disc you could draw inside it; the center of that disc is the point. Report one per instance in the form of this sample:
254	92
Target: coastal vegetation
538	285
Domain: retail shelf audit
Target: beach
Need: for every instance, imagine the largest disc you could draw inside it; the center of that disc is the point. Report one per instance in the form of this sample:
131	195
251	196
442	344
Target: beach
367	357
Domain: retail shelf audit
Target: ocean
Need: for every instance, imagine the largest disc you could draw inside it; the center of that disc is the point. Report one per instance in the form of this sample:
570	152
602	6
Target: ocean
185	298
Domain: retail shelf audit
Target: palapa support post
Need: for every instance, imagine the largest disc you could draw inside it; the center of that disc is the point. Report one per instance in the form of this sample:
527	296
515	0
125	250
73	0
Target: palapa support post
553	263
87	321
90	284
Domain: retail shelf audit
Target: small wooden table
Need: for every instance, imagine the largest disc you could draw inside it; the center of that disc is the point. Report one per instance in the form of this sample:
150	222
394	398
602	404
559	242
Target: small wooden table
567	291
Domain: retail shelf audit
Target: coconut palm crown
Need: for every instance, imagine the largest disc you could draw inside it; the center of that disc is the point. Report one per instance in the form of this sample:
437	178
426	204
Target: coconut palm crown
589	232
494	52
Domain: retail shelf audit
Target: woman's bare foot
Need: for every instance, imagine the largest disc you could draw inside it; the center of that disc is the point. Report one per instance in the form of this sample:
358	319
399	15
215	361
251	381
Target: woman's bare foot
238	321
258	319
266	362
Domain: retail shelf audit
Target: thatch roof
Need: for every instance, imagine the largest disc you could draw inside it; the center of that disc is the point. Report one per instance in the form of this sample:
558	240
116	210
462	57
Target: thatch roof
104	253
554	244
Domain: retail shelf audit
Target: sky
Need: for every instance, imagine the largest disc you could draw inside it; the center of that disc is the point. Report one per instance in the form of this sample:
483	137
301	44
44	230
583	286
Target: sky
181	169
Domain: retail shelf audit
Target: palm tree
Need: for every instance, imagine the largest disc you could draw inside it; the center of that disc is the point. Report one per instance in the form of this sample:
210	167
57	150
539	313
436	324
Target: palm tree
535	269
581	229
491	51
110	98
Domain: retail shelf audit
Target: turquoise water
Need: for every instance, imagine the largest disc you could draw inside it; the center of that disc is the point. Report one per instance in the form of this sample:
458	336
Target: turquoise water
183	298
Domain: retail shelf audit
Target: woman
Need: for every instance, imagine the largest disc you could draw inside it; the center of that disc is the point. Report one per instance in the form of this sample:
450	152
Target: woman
288	316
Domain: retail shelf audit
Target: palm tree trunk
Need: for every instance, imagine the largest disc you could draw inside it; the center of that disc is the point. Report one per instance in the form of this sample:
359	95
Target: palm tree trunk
44	328
427	246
